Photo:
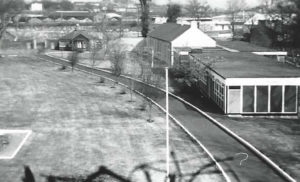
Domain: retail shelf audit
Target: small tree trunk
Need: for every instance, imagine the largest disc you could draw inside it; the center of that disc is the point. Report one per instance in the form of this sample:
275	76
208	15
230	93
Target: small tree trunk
150	111
131	90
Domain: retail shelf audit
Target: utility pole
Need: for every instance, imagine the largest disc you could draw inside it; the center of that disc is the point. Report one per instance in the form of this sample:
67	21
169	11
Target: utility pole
167	125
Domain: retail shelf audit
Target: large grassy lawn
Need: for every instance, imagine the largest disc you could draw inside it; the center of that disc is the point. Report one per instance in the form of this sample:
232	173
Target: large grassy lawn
78	125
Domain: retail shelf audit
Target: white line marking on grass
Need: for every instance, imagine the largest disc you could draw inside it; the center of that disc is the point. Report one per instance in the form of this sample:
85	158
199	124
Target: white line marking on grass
28	132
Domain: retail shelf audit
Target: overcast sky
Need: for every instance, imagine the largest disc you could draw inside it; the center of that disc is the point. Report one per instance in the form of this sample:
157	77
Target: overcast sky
213	3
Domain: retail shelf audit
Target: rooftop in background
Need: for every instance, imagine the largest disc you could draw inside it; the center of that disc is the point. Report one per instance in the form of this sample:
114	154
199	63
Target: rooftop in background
248	65
168	31
244	46
76	14
74	34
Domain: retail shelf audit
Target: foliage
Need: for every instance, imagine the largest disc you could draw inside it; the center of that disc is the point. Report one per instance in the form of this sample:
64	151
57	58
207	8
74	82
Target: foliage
62	5
285	28
9	9
173	12
144	17
295	25
198	9
234	7
191	73
66	5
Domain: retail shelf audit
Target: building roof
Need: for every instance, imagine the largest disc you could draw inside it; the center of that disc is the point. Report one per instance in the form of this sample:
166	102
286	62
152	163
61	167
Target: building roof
168	31
247	65
74	34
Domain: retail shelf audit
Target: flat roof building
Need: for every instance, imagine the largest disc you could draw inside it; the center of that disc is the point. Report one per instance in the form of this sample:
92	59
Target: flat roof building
244	83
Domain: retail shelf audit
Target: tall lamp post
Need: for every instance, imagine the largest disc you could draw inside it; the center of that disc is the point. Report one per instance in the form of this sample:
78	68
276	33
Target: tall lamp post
167	124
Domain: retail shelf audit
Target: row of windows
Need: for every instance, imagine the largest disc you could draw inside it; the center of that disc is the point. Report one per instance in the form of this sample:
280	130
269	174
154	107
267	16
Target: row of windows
218	93
269	99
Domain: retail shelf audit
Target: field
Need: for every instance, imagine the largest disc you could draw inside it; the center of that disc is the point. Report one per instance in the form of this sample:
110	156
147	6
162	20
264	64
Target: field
79	124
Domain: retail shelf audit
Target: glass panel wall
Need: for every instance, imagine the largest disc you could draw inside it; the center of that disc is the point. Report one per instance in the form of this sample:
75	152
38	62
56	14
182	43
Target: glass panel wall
248	99
262	100
276	98
290	99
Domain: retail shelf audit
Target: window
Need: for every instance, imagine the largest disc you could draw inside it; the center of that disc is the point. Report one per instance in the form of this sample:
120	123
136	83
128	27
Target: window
79	45
262	100
218	95
276	98
290	99
248	99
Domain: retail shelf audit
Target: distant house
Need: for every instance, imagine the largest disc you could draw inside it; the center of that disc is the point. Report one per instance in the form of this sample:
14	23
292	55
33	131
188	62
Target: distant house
170	36
77	40
218	27
36	6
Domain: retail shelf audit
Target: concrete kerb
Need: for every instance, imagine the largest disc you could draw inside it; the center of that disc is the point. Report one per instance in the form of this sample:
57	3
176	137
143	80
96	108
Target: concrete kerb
224	128
171	116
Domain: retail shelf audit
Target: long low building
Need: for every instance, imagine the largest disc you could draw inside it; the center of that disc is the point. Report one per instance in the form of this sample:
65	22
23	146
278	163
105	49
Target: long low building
244	83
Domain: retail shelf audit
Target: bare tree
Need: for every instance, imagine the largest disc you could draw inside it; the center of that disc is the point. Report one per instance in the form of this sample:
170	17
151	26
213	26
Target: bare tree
145	17
197	9
173	12
74	59
149	78
134	72
151	91
95	48
9	9
117	55
233	8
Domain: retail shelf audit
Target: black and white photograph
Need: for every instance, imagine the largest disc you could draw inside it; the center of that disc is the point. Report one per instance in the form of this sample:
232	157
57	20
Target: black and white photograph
149	90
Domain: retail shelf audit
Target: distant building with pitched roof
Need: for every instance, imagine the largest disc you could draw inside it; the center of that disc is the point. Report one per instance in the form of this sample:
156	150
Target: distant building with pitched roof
77	40
168	37
36	6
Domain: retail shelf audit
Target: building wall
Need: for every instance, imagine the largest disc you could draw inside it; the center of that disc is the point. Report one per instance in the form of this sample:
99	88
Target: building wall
213	86
161	49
